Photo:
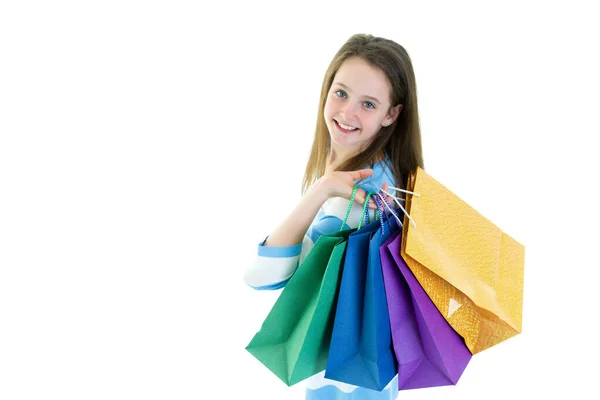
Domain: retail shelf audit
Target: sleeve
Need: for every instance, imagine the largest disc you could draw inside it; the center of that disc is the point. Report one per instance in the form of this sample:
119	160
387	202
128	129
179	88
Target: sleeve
275	265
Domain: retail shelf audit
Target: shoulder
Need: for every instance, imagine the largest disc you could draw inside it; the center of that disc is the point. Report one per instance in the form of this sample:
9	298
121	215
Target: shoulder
382	172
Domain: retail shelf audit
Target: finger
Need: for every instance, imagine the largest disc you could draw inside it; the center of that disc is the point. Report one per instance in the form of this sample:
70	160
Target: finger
360	197
361	174
372	204
385	186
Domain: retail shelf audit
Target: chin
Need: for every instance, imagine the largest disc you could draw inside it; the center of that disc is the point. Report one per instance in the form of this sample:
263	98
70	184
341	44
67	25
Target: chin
338	139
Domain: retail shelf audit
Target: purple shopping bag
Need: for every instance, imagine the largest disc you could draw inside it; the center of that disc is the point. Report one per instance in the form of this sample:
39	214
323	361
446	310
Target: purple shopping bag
429	351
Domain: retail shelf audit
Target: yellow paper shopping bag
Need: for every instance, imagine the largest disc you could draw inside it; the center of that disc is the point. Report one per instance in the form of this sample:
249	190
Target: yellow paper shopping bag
471	270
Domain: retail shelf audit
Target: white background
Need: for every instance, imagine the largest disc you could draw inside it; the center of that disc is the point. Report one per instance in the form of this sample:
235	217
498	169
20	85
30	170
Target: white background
147	147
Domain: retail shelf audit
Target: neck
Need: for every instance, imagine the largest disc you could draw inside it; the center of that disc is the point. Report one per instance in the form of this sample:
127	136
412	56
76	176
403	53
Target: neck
336	158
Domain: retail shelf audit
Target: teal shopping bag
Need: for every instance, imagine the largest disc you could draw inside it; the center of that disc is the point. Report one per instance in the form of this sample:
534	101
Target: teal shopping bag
293	341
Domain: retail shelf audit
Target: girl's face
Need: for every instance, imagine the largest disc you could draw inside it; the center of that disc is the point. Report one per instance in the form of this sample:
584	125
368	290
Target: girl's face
357	106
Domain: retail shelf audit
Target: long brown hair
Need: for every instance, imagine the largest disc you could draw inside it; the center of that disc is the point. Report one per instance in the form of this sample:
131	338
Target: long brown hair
401	141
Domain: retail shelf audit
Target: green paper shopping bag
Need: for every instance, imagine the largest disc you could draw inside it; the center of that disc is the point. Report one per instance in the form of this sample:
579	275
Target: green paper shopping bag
293	341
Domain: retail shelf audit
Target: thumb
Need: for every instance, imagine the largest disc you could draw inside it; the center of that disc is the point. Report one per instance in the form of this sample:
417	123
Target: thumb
361	174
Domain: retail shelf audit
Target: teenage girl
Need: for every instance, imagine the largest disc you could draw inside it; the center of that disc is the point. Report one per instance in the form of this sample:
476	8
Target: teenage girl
367	134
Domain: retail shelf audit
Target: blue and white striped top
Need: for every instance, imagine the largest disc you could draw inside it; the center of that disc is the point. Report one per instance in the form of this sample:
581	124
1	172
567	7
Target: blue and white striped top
274	266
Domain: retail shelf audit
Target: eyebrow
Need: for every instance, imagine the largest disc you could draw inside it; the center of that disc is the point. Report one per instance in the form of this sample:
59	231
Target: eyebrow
347	88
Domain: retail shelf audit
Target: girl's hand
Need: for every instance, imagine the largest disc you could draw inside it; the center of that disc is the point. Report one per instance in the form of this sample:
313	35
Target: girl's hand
341	184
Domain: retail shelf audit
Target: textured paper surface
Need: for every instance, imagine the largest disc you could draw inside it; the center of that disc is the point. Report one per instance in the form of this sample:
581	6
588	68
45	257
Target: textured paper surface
472	270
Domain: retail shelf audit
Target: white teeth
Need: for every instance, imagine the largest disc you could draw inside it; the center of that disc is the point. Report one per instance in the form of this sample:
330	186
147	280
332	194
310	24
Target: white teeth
348	127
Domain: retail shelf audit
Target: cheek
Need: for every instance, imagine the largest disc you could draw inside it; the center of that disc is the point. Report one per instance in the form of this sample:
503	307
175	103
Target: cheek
368	118
372	122
329	108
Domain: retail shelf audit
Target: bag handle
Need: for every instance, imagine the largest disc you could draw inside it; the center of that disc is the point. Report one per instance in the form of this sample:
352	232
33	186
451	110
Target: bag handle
380	212
362	216
382	205
397	201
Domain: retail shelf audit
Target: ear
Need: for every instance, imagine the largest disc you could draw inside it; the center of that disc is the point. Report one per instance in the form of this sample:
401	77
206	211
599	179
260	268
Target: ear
392	115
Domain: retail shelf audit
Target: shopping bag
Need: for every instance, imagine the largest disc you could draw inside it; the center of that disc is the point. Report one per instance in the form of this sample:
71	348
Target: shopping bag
429	352
361	352
470	268
293	341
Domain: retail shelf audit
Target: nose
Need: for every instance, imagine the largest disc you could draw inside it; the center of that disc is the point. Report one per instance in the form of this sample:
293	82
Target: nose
349	111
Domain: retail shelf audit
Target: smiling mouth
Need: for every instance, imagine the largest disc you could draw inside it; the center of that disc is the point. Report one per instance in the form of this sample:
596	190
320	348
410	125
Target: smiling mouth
345	128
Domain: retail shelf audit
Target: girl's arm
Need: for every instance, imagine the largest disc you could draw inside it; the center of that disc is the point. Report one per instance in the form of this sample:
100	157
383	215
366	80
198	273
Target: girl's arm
280	253
292	229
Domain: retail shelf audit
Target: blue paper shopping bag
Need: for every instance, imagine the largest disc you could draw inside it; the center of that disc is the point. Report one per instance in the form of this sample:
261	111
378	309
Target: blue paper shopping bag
361	352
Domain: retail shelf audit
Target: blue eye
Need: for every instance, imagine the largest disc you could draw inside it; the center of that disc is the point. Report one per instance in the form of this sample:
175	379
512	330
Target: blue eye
340	93
368	104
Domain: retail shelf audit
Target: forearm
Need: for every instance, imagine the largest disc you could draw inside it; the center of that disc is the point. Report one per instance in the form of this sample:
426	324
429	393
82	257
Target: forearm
292	229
